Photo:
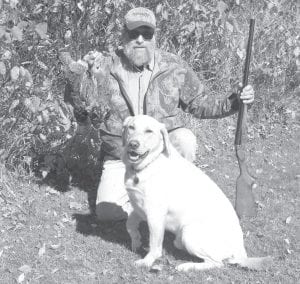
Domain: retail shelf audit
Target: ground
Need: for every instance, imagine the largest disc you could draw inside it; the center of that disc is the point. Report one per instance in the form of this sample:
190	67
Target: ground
48	235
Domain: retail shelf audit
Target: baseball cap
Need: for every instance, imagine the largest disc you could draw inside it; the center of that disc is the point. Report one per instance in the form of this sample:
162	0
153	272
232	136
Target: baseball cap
140	16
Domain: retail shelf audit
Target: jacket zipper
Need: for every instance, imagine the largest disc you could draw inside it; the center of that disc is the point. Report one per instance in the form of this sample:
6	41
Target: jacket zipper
151	80
125	96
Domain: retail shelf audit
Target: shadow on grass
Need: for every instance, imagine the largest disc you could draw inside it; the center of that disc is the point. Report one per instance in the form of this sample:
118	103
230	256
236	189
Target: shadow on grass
76	165
115	232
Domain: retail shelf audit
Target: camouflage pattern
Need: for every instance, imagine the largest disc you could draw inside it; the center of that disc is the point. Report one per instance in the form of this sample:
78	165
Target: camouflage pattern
174	87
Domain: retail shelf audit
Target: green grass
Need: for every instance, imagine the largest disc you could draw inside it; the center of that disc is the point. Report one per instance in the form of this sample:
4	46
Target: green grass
53	233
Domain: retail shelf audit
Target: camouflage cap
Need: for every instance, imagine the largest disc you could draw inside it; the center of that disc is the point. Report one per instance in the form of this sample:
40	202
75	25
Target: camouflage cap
139	17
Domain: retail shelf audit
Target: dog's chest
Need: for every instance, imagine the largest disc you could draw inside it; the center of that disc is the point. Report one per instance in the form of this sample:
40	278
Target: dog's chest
136	195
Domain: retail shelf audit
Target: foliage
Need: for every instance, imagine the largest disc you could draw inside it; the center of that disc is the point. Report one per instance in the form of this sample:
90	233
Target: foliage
210	35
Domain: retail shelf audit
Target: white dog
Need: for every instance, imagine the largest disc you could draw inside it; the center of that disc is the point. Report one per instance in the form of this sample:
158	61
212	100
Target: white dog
172	194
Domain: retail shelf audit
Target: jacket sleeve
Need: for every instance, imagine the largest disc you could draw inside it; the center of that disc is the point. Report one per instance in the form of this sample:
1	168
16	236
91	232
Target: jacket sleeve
196	100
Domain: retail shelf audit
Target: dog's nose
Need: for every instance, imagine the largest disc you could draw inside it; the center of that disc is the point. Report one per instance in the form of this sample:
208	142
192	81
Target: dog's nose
134	144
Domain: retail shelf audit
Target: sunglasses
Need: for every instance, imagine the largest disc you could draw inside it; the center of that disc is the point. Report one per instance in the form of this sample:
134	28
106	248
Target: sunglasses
146	34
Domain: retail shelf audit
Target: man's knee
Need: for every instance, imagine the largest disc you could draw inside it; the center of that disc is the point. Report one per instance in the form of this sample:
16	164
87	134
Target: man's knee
112	200
106	211
185	142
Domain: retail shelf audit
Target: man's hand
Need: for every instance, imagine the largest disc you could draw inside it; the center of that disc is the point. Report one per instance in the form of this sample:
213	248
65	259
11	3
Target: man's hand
247	95
90	57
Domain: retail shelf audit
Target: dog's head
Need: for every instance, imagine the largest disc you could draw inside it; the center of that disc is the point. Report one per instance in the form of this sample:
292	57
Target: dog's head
144	139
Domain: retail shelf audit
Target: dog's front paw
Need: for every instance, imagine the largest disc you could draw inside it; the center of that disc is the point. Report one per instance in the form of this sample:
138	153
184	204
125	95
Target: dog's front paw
145	262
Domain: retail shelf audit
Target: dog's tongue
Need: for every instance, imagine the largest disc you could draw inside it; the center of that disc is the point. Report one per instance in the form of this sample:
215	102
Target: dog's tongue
133	155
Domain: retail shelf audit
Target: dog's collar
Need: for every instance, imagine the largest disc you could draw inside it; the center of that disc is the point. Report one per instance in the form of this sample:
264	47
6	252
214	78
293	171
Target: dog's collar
136	179
135	171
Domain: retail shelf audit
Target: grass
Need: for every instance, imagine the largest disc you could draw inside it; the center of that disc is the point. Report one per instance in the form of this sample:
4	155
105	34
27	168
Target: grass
50	236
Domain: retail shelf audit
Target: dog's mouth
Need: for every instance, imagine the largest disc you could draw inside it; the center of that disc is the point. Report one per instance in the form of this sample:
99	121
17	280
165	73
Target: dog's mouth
135	157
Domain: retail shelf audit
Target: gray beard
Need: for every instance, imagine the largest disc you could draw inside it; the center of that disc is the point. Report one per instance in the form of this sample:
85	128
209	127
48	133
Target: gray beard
137	58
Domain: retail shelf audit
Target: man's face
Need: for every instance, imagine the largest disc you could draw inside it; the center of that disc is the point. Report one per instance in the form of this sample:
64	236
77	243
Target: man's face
139	45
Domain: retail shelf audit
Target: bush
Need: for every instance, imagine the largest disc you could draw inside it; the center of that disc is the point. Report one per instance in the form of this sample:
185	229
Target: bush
210	35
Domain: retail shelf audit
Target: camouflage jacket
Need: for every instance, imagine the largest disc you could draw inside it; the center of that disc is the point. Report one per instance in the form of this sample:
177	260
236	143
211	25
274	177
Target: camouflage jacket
173	88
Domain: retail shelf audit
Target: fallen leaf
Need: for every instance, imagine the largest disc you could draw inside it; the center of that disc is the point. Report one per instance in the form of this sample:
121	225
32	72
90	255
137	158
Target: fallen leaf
14	73
21	278
2	68
42	250
52	191
288	220
156	268
104	271
41	30
17	33
75	205
54	247
25	268
6	55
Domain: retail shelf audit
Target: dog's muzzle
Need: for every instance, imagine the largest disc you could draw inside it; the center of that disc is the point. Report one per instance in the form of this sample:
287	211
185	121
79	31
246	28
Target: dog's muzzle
133	152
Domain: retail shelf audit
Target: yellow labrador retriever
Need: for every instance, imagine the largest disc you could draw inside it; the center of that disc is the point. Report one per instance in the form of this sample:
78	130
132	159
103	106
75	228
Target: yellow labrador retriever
171	193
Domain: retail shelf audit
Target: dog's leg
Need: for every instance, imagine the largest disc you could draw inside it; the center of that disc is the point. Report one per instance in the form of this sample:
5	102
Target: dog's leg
177	242
132	226
156	235
199	244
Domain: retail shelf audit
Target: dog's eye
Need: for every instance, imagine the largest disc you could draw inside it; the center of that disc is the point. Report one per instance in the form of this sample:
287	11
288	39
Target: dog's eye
131	127
148	131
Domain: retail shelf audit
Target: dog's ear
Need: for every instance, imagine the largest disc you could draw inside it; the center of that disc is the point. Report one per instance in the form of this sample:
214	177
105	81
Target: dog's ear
165	135
126	121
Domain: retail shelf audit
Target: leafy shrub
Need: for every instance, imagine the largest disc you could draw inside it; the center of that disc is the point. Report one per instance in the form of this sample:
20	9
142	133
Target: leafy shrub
210	35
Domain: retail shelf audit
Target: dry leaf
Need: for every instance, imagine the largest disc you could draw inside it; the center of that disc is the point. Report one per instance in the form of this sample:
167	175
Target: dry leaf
54	270
25	268
52	191
75	205
6	55
288	220
54	247
2	68
41	30
17	33
21	278
42	250
156	268
14	73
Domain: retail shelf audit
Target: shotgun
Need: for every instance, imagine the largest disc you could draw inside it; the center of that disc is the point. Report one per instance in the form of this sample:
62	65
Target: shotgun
244	203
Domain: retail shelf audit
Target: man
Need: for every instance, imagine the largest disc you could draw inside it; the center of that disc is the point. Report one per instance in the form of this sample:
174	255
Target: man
141	79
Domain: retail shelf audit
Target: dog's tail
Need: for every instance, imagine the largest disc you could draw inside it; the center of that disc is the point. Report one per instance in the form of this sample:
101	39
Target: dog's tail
254	263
